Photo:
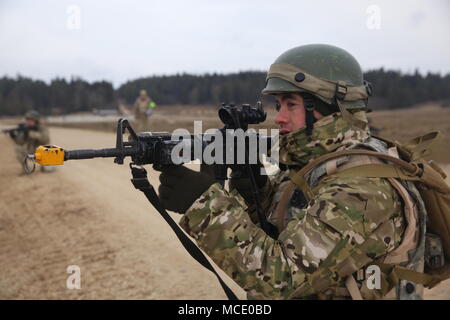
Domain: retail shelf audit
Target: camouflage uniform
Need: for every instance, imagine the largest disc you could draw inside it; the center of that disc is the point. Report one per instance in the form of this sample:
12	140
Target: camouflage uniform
361	218
26	143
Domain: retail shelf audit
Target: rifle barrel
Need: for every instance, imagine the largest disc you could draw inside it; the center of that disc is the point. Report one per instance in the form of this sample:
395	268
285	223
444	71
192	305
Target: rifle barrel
98	153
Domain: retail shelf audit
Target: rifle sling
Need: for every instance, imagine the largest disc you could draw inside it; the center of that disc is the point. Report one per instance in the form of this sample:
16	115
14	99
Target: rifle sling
141	182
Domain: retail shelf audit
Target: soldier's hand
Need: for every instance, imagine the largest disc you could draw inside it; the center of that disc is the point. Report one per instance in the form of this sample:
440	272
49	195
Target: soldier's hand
243	184
181	186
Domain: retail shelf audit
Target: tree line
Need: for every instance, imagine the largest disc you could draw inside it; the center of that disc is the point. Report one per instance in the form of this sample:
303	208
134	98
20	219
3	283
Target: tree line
17	95
392	90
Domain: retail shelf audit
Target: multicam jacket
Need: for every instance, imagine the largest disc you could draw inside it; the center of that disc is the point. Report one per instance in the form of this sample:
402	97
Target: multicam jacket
362	217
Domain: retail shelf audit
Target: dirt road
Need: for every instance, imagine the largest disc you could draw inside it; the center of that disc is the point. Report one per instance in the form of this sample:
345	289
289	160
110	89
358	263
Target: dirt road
88	214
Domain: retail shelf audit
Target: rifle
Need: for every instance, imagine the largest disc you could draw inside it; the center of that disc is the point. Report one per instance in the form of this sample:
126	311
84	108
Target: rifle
21	128
159	149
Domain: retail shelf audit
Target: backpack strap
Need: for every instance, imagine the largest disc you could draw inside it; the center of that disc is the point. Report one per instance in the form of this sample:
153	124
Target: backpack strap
404	170
352	287
377	171
410	237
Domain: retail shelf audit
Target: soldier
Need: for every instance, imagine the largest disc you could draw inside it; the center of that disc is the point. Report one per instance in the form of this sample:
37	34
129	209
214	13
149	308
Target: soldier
329	236
143	109
32	134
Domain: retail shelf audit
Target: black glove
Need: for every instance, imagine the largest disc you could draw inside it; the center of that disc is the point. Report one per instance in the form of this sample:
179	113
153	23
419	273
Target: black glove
242	183
181	186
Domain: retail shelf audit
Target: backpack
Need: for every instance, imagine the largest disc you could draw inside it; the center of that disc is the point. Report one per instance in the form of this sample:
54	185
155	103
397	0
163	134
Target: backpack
429	180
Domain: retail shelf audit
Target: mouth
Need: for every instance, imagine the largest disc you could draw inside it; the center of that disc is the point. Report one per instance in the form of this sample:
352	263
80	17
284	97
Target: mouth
284	131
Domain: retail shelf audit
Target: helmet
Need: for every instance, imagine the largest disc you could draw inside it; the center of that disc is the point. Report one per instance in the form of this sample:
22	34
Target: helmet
322	74
322	70
32	115
143	92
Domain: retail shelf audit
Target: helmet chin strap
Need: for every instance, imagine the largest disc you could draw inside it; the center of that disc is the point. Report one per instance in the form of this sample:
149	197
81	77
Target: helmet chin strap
308	102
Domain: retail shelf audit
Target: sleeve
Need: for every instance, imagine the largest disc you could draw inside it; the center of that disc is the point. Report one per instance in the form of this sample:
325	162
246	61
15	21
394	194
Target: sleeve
19	138
274	268
41	136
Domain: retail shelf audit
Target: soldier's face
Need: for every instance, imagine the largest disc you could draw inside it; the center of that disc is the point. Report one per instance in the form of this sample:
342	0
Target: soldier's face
291	112
30	122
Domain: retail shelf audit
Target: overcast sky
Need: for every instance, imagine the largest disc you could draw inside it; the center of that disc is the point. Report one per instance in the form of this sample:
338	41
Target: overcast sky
122	40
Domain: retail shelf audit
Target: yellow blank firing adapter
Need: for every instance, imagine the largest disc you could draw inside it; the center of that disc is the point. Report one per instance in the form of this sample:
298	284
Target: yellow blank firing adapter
49	155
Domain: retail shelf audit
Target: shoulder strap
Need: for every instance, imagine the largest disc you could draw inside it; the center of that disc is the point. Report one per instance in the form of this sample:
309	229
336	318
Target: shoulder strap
141	182
376	171
406	170
409	167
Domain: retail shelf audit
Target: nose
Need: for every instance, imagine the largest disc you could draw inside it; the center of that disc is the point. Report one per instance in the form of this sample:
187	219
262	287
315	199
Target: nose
282	117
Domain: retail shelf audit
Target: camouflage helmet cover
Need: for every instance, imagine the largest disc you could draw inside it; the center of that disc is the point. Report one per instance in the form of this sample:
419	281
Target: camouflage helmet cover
323	70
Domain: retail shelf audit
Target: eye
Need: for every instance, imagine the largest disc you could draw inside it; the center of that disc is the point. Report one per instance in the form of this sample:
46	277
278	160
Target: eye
277	106
291	105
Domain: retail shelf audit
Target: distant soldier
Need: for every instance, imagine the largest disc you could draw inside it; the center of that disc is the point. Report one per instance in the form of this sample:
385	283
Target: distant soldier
29	135
143	109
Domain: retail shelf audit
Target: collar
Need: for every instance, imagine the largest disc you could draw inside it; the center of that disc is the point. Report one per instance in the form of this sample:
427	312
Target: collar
330	133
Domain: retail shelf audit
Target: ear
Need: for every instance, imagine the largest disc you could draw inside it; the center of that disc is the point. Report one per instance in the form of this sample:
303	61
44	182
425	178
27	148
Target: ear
317	114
